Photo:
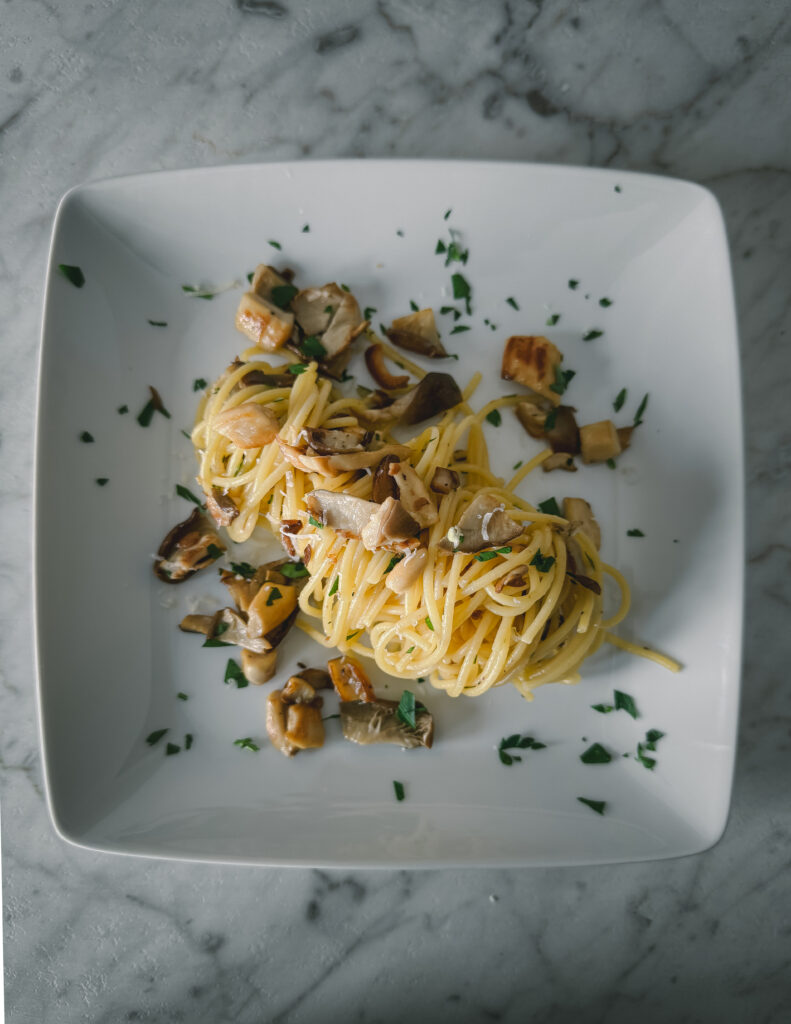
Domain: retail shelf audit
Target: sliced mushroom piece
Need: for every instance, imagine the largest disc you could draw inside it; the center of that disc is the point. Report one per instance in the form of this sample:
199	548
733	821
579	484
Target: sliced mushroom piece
248	425
377	721
580	515
445	480
532	360
624	436
377	367
276	636
483	524
412	494
318	678
559	460
405	573
516	578
304	726
231	628
331	313
350	679
434	394
383	486
599	441
258	378
263	322
276	724
258	668
198	624
585	581
298	691
334	465
270	607
343	512
417	332
221	506
390	527
190	546
336	441
558	427
265	280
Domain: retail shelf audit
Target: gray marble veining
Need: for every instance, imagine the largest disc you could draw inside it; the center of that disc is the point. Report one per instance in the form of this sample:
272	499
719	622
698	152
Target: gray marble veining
697	91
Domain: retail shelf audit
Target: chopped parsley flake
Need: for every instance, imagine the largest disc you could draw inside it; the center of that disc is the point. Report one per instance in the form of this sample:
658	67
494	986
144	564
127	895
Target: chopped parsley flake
306	229
611	463
315	522
447	214
406	709
250	277
542	562
413	305
551	420
243	569
199	384
428	623
188	741
182	696
72	274
399	790
494	417
393	563
486	556
459	329
550	507
444	310
512	302
86	438
441	247
516	742
593	333
282	294
553	319
312	347
517	465
369	312
274	595
617	188
158	323
635	533
638	416
274	244
400	233
603	709
294	570
605	303
102	480
595	805
596	754
297	368
352	635
156	736
620	398
345	287
461	290
234	674
198	293
573	284
562	380
186	493
171	749
334	588
247	744
214	552
154	404
122	410
623	702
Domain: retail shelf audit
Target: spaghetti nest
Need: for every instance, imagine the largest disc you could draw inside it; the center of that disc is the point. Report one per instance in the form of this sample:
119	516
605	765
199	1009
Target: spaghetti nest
528	612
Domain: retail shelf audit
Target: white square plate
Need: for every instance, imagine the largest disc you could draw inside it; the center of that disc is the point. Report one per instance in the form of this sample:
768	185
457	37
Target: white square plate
111	659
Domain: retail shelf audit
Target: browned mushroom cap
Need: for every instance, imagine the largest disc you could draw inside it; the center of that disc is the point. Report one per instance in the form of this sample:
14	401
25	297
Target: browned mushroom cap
435	393
334	465
258	668
559	460
377	721
197	624
375	361
263	322
190	546
332	314
230	627
221	506
404	574
483	524
445	480
318	678
390	527
417	332
412	493
265	282
298	691
276	724
350	679
343	512
532	360
270	380
304	726
558	427
383	486
336	441
625	436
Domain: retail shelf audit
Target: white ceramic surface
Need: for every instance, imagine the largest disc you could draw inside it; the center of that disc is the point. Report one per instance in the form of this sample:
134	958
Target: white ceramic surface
111	659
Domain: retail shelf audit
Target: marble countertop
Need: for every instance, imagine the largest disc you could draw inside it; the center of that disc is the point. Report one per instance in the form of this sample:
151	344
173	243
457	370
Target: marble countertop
696	91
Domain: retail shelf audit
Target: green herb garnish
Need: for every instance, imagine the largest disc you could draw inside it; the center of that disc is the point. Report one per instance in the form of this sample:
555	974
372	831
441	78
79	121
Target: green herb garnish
605	302
550	420
595	805
294	570
198	293
512	302
611	463
171	749
188	741
352	635
516	742
282	294
86	438
486	556
542	562
306	229
620	398
617	188
638	416
594	333
573	284
646	762
214	552
274	595
122	410
334	588
406	709
652	737
399	790
459	329
494	417
199	384
158	323
247	744
596	755
297	368
185	492
441	247
562	380
250	277
274	244
213	642
156	736
428	623
182	696
72	274
102	480
243	569
234	674
552	320
315	522
603	709
393	563
369	312
517	465
623	702
345	287
635	533
312	347
461	290
444	310
413	305
550	507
